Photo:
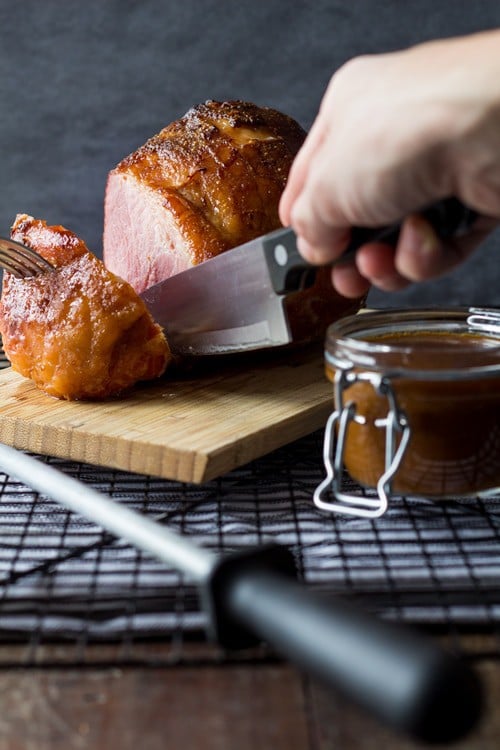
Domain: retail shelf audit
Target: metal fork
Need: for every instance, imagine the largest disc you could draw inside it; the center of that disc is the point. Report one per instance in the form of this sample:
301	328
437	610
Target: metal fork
22	261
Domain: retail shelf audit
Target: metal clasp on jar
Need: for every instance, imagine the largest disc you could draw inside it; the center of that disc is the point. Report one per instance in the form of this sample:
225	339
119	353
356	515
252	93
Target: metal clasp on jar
329	495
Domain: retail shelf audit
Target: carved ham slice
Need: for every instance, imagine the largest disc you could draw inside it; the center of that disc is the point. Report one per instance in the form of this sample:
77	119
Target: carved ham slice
79	332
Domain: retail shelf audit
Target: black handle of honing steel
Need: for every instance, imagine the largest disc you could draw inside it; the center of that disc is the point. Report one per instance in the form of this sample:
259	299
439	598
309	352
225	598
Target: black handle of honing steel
290	272
403	679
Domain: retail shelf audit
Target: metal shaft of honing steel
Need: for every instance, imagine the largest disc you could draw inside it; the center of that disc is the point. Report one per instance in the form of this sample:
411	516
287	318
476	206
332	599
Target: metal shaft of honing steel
148	535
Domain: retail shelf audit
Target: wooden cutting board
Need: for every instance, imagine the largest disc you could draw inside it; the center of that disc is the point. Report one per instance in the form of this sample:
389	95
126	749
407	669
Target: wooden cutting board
188	427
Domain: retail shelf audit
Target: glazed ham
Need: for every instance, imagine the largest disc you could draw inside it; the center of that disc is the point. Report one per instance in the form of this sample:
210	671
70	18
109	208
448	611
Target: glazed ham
206	183
79	332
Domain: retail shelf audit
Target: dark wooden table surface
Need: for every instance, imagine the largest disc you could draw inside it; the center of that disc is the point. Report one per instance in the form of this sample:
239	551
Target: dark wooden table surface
249	706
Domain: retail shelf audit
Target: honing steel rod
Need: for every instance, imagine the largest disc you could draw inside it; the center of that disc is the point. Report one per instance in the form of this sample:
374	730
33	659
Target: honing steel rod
400	677
138	529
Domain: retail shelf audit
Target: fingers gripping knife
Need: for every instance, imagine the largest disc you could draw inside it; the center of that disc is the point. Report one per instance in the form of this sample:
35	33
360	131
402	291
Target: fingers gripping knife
401	678
235	302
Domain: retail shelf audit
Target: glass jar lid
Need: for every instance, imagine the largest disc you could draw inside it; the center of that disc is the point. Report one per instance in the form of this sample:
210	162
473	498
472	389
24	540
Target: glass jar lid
452	343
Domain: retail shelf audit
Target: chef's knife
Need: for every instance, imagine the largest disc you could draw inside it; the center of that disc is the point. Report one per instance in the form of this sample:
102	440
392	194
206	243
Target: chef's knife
400	677
235	301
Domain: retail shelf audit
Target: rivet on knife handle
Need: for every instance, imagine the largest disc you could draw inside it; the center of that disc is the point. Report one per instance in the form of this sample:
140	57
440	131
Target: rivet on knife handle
290	272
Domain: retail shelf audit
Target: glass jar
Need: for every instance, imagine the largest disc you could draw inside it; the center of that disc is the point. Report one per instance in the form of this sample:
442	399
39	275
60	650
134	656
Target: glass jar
416	406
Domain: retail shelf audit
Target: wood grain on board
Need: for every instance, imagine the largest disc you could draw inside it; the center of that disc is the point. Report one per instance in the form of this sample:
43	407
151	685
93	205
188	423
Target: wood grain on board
189	427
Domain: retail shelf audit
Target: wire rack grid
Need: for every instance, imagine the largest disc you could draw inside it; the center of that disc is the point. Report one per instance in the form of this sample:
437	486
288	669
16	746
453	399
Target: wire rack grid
64	580
72	593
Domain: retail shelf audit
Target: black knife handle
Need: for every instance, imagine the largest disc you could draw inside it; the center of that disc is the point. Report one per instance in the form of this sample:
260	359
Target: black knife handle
290	272
403	679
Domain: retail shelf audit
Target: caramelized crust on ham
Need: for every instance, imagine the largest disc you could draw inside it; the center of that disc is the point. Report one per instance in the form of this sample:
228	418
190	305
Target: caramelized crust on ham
207	182
79	332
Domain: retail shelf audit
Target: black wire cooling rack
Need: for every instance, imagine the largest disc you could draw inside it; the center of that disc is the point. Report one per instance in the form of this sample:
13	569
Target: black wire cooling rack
65	581
70	593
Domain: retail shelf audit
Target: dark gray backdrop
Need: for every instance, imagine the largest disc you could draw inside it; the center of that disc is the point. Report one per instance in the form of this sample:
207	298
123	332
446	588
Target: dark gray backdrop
83	83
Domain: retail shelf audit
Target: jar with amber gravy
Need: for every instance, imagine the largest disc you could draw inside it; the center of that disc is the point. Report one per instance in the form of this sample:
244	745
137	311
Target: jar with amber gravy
416	406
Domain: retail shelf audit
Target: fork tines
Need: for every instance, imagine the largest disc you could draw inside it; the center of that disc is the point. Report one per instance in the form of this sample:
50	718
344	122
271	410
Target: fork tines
21	261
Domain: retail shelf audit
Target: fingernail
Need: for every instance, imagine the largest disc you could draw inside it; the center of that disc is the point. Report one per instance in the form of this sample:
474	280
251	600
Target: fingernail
313	254
422	237
304	247
419	254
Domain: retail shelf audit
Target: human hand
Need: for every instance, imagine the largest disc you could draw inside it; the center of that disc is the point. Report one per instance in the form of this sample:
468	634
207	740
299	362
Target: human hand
397	132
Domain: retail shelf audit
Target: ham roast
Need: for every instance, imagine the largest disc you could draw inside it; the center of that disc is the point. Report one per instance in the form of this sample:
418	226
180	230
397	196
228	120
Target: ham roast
79	332
206	183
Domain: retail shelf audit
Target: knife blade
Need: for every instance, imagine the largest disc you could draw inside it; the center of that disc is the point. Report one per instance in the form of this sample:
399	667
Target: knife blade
235	301
225	304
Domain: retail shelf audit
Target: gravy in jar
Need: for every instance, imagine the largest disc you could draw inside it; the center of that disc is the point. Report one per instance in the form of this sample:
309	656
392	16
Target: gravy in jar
447	385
